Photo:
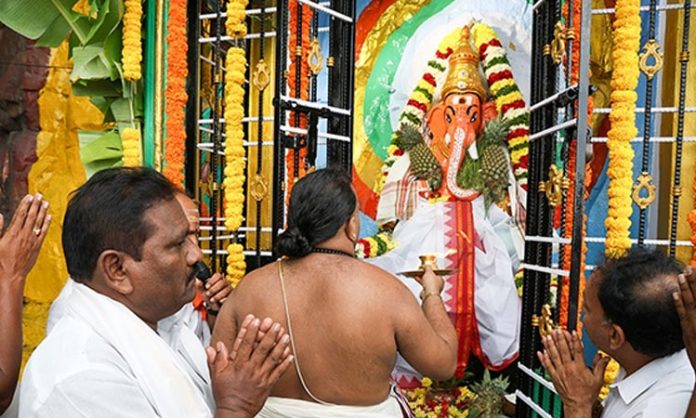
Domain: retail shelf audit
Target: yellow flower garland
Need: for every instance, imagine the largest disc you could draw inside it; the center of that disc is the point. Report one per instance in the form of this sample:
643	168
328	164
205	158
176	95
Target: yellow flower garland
130	140
235	165
131	54
623	126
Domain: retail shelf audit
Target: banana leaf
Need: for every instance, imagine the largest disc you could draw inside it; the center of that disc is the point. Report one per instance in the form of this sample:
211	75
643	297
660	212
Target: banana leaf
99	150
36	18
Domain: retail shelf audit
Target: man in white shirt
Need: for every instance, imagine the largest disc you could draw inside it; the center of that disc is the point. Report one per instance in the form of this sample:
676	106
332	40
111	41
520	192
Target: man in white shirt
629	313
128	251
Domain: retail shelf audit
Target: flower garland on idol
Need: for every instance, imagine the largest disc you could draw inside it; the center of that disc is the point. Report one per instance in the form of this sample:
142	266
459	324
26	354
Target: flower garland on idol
175	94
418	103
375	245
508	98
624	80
235	63
132	53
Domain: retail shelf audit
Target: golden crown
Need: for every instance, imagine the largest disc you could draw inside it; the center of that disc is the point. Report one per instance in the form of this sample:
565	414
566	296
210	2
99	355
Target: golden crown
463	75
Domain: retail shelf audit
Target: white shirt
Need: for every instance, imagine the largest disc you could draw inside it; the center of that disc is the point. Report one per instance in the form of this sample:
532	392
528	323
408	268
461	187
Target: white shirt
661	388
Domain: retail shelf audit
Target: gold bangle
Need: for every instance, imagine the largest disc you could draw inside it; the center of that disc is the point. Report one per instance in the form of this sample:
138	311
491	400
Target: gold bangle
424	295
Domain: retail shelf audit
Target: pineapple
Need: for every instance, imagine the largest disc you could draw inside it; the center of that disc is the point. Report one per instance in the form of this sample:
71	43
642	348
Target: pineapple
424	165
494	174
494	161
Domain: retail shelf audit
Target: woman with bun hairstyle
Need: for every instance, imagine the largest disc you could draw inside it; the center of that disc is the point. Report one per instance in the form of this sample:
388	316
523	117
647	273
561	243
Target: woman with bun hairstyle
345	318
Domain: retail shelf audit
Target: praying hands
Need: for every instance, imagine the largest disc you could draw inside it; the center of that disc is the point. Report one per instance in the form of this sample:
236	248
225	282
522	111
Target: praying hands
576	384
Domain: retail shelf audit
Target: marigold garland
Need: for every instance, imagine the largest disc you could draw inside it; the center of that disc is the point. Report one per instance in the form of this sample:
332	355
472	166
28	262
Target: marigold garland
507	95
307	15
236	15
234	138
418	103
610	373
236	264
132	149
624	80
175	94
132	53
235	165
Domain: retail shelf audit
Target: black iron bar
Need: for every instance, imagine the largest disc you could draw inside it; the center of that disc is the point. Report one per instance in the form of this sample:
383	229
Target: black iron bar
647	124
259	132
278	121
676	188
583	133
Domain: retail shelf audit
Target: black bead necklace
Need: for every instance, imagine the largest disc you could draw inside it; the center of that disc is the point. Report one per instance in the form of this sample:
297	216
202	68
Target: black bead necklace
331	251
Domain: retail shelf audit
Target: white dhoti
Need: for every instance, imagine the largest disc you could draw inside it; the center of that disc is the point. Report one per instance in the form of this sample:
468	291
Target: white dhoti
102	360
295	408
480	297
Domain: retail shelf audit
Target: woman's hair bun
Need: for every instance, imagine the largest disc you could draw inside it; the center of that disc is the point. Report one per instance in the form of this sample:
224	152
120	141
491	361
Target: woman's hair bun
292	243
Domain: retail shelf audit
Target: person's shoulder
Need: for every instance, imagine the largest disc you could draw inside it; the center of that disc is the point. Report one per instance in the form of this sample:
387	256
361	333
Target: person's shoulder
378	278
258	276
670	395
71	348
363	269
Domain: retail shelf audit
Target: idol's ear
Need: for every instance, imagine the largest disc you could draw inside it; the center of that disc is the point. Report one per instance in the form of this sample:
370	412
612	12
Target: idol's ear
489	111
436	121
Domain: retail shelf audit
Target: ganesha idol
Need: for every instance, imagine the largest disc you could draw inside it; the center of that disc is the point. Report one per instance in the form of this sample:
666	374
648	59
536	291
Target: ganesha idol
445	196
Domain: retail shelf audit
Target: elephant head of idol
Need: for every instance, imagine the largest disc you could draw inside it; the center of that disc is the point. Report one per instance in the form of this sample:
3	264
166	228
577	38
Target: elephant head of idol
458	119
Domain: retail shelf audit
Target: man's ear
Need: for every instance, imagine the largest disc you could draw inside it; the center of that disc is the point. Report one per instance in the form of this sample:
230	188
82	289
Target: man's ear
617	337
352	228
112	265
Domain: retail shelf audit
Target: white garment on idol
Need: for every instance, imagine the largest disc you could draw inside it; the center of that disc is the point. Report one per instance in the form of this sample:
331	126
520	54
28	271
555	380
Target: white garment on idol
496	301
101	360
296	408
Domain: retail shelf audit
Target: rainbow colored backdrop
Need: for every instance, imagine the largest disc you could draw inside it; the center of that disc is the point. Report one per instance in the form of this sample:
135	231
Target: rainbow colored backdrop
394	40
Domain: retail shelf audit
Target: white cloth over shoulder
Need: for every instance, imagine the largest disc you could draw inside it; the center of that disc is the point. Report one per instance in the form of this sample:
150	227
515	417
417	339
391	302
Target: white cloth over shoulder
187	316
296	408
661	388
101	360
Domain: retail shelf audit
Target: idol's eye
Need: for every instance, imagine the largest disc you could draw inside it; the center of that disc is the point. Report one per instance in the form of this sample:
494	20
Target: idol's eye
449	114
474	118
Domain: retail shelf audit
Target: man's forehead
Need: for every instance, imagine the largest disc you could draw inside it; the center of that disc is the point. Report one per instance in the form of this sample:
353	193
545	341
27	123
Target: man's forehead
166	214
